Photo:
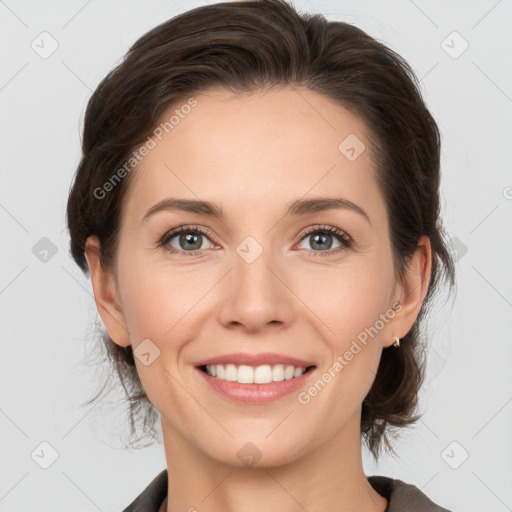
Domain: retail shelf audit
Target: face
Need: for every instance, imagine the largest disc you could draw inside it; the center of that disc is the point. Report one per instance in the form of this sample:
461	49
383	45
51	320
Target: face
268	276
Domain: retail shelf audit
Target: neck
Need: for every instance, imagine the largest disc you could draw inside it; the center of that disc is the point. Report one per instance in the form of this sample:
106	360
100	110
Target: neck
329	477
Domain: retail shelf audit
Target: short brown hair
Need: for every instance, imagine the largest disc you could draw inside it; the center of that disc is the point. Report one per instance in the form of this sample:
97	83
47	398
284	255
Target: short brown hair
245	46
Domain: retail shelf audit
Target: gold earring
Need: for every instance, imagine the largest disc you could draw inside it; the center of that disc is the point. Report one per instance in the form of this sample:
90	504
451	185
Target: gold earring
396	343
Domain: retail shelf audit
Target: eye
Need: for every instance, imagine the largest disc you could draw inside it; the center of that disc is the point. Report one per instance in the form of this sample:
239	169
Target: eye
322	239
189	239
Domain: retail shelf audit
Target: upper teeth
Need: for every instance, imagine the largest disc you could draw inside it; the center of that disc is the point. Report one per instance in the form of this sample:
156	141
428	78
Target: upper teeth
257	375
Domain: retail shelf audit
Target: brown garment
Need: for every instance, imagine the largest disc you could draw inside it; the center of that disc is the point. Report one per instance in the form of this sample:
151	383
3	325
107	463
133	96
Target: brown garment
402	497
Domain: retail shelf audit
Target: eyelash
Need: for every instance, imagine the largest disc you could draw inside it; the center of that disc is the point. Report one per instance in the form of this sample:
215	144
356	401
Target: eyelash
346	241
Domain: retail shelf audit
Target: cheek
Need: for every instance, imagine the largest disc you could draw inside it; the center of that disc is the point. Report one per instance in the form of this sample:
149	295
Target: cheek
354	303
162	302
153	308
350	299
151	293
353	310
140	307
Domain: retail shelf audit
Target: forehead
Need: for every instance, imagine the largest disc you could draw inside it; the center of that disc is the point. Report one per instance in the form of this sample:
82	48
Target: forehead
255	151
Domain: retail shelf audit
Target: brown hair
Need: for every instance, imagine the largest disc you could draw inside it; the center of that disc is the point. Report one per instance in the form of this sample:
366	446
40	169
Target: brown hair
245	46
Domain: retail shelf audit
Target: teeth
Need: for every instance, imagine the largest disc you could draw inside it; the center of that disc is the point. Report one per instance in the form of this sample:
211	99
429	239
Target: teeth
254	375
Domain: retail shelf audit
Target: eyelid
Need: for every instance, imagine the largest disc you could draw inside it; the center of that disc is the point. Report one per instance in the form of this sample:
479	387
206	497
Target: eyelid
328	228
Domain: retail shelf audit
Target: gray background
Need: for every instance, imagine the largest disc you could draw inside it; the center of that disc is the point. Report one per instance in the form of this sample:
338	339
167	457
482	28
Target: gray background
48	313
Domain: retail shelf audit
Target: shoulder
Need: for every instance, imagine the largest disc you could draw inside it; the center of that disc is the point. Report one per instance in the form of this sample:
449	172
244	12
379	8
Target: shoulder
150	499
403	497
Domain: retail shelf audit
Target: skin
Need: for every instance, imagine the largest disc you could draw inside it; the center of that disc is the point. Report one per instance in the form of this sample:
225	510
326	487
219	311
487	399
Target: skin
253	154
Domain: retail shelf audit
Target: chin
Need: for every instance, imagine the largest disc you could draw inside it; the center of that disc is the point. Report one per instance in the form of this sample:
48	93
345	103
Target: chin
256	453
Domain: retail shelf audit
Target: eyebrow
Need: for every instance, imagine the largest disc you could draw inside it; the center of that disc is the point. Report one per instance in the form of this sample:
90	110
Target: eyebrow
297	207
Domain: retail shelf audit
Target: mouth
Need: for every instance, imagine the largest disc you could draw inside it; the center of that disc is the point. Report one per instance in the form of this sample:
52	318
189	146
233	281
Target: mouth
262	384
246	374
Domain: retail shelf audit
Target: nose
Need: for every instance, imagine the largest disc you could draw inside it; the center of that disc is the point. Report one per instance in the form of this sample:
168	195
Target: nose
255	292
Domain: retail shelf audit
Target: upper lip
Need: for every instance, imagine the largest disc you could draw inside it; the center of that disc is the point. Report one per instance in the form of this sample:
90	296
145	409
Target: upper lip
256	360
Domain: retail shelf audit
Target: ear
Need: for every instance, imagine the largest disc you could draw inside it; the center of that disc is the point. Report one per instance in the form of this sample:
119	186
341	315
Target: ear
413	288
106	294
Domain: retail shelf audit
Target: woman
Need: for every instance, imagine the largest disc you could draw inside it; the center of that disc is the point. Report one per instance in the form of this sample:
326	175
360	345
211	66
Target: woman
232	142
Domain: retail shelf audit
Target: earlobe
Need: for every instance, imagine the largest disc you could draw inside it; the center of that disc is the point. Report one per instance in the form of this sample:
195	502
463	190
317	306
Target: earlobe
413	288
105	294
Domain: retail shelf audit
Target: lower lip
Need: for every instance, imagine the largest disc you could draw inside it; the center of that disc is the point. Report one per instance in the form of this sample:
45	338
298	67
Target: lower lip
256	393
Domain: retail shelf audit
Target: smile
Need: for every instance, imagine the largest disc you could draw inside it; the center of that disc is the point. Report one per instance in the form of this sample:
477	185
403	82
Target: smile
245	374
255	385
